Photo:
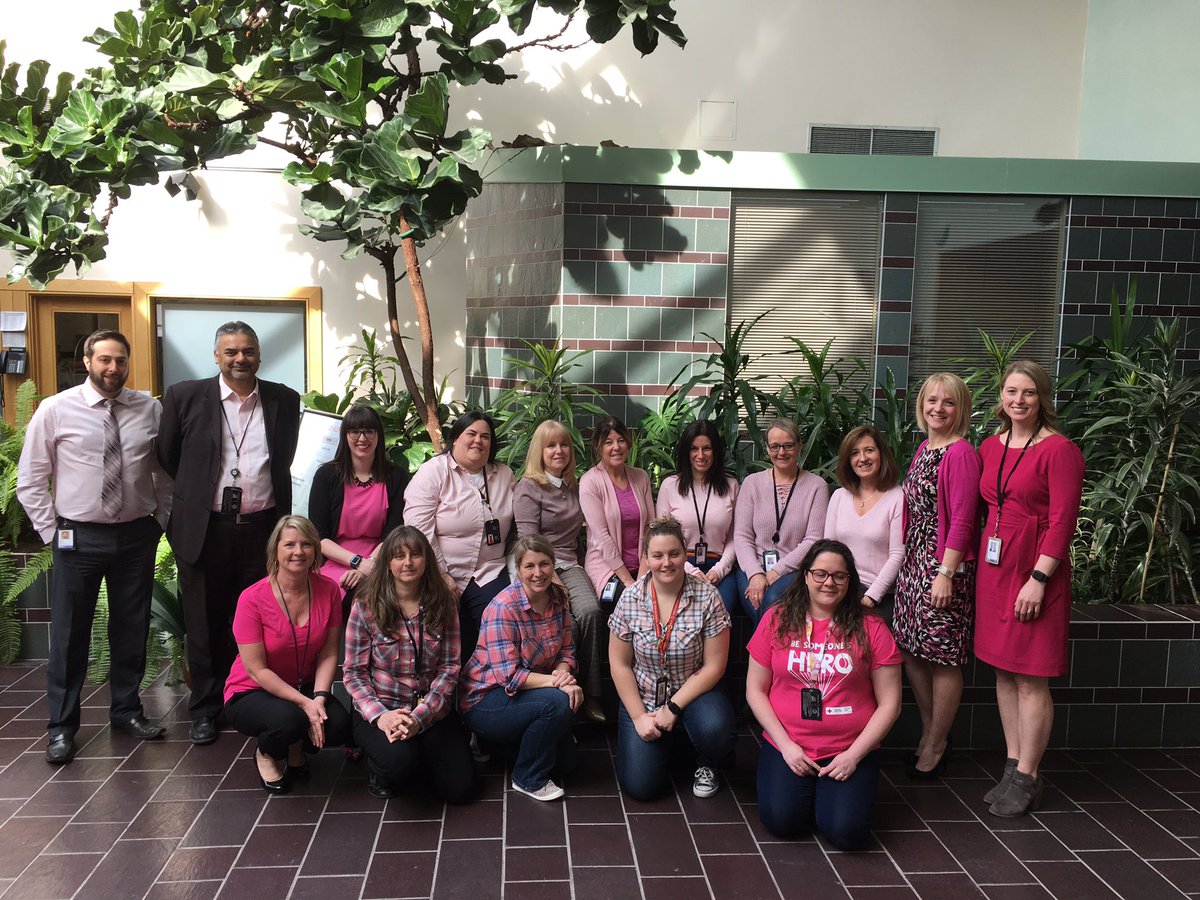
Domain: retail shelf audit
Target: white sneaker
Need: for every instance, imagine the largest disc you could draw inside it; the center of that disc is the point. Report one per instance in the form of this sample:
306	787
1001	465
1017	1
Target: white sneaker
548	791
707	783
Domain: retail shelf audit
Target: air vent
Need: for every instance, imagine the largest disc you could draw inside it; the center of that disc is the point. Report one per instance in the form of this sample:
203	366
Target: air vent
872	141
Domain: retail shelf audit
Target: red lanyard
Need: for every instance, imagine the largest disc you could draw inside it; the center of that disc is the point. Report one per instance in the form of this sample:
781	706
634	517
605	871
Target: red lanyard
661	632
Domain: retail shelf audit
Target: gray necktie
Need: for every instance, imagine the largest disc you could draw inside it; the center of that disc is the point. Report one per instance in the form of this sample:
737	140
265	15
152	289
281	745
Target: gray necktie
110	491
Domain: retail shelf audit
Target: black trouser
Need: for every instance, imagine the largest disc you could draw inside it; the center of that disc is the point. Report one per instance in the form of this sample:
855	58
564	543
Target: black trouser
123	555
474	600
439	756
279	723
233	558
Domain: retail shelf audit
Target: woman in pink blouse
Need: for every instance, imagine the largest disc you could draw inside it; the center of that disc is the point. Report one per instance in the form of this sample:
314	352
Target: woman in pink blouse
287	628
518	687
402	665
462	501
867	514
780	514
701	496
617	504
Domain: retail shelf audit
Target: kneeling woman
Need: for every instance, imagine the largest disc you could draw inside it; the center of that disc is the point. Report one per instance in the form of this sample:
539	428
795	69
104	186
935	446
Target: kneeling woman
518	687
287	628
402	664
824	682
669	645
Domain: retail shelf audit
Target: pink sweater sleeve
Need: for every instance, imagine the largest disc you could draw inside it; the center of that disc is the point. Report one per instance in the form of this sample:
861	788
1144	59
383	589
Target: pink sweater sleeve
958	499
1065	467
814	501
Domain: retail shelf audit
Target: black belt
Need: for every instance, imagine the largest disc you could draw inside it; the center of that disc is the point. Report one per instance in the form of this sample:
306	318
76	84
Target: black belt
263	515
76	523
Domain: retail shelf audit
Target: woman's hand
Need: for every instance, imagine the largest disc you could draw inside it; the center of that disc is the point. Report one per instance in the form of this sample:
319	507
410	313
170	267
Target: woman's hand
840	767
756	588
941	592
1029	601
772	577
574	694
314	709
712	577
797	760
561	678
350	579
664	719
450	583
868	602
647	728
396	724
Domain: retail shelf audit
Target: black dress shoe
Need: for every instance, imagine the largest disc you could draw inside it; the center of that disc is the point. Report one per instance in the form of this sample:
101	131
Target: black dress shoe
60	750
139	726
281	785
203	730
378	788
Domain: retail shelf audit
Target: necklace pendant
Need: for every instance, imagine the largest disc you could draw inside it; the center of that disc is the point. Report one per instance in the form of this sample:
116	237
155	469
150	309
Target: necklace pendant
235	472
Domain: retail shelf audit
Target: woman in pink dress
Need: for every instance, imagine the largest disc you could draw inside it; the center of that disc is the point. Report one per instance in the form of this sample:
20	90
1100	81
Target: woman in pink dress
1032	480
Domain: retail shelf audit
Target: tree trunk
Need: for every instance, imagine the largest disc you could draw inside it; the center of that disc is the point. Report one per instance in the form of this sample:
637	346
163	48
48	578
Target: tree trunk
428	400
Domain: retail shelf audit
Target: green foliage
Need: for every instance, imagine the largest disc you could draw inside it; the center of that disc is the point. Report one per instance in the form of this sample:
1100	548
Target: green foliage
984	380
10	625
658	433
892	417
12	438
168	630
544	392
100	655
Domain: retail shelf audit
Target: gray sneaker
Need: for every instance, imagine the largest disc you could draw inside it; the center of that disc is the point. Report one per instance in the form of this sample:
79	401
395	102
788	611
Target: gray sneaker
707	782
548	791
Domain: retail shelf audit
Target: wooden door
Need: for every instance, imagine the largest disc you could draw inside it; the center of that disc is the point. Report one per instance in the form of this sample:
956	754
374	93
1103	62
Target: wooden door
62	323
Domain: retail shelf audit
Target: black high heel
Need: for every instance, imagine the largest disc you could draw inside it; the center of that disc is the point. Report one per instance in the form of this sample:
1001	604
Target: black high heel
942	765
280	786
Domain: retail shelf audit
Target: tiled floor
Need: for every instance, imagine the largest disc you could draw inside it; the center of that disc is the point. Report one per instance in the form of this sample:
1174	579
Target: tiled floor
165	819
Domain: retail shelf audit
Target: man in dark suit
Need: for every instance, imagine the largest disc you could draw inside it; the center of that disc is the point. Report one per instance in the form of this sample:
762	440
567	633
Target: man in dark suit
228	442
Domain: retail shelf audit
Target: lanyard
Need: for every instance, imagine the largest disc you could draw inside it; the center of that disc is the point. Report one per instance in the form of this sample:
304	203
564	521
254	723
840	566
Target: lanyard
299	656
485	492
775	496
701	517
663	633
1002	487
419	644
235	472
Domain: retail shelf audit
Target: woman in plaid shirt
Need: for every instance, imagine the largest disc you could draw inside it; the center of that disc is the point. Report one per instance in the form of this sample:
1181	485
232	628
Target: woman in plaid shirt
518	687
402	664
667	651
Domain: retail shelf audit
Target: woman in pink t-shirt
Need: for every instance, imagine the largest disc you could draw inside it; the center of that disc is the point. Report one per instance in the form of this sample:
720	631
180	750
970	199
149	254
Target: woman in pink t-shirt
824	682
287	627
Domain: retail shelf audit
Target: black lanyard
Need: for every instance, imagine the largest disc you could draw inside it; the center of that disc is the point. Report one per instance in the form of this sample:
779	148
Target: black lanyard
775	496
237	445
1002	487
299	656
419	644
485	492
701	517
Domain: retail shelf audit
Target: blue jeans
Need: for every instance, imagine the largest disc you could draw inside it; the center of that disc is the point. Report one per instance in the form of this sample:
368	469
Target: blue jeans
538	721
727	587
770	596
791	804
642	766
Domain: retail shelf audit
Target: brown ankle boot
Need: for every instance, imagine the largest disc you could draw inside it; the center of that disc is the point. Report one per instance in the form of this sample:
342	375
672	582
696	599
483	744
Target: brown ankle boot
997	791
1023	795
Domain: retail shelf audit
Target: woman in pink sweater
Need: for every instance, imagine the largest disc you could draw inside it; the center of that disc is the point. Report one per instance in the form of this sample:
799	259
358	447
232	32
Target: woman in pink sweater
780	514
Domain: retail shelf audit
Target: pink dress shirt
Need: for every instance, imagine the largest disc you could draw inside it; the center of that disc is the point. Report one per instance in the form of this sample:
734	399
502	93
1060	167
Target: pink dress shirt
254	462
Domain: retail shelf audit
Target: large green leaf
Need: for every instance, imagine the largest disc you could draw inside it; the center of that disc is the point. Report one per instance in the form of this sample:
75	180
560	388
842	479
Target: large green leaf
429	106
382	18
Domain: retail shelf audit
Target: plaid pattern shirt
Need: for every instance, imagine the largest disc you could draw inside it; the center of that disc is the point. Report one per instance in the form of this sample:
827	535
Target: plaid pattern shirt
380	670
701	615
514	642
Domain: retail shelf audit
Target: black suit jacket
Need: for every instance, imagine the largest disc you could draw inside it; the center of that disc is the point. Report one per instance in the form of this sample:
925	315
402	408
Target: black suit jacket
189	448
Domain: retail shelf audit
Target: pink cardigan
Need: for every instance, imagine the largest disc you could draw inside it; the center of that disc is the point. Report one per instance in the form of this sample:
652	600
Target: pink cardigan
957	499
601	512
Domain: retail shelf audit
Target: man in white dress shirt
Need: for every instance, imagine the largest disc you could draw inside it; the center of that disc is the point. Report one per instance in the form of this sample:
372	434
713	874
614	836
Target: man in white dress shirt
90	482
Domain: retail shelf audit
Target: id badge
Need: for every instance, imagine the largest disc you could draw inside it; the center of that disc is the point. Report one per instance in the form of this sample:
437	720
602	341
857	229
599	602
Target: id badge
66	539
661	691
993	550
491	532
770	560
609	593
810	704
701	552
231	500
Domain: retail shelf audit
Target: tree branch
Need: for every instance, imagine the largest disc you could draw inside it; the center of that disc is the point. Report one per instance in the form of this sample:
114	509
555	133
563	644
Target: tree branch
547	40
295	149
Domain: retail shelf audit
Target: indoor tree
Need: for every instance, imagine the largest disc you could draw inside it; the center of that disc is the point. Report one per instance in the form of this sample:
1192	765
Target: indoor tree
356	92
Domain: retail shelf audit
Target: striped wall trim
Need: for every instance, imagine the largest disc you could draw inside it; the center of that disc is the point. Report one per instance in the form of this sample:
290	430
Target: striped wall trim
665	211
599	344
636	256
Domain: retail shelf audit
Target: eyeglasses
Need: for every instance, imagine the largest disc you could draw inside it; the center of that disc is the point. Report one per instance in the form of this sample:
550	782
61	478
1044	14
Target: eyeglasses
359	434
782	448
820	576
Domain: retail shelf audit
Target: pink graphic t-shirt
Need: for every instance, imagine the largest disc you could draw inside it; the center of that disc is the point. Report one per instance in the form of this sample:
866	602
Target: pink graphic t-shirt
823	661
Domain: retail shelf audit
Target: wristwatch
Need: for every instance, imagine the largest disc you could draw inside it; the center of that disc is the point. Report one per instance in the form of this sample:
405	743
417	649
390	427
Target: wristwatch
1040	577
674	708
356	561
943	569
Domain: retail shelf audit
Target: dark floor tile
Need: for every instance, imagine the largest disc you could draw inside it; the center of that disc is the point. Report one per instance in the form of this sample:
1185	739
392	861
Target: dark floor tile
1184	874
11	748
595	810
165	820
722	807
1070	881
895	817
532	823
600	845
187	787
1130	876
86	838
212	759
1083	787
1138	831
342	844
121	798
326	887
21	840
945	887
536	863
474	820
469	869
606	883
675	888
917	851
1136	787
95	769
1039	845
668	803
199	865
408	836
60	798
1146	759
225	821
156	755
292	810
803	871
1016	892
25	775
740	877
402	875
724	838
184	890
54	876
1182	823
936	803
883	893
866	869
1078	831
1177	781
980	853
277	845
261	884
663	845
350	795
412	807
537	890
128	869
593	776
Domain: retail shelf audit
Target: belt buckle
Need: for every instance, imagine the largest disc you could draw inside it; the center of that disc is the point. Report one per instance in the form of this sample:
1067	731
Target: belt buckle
240	518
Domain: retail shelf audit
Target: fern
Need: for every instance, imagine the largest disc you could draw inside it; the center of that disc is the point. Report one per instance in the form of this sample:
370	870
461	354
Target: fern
101	655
